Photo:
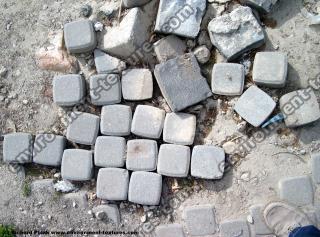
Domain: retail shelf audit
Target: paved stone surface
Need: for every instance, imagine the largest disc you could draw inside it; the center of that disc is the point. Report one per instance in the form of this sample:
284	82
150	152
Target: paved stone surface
107	64
77	165
79	36
200	220
137	84
110	152
265	6
315	163
300	107
145	188
202	54
68	90
112	184
169	230
116	120
148	121
179	128
234	228
134	3
109	212
84	129
255	106
297	190
142	155
169	47
236	33
227	79
207	162
181	82
259	225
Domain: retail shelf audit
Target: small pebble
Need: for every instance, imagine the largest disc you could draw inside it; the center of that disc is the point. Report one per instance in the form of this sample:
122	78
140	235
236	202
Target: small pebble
86	10
98	26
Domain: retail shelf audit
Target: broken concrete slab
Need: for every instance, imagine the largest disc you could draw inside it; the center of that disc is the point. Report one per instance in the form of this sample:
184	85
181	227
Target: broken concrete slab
174	230
234	228
106	64
315	164
169	47
107	212
134	3
259	225
264	6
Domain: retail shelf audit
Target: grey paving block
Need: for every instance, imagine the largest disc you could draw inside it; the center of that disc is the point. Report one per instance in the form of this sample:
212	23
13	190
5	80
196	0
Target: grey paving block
179	128
79	36
112	184
181	82
110	152
169	230
236	33
145	188
169	47
270	69
227	79
137	84
134	3
264	6
255	106
207	162
17	148
68	90
107	212
259	224
200	220
116	120
77	165
315	164
148	121
83	129
106	64
174	160
180	17
142	155
234	228
300	107
297	190
48	149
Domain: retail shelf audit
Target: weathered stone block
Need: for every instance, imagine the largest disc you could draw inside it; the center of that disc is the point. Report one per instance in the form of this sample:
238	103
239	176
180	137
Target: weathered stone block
174	230
315	162
169	47
234	228
107	213
106	64
259	225
17	148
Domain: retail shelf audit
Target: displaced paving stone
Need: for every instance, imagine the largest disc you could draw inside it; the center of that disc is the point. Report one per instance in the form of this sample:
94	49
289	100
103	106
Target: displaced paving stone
179	128
181	82
297	190
174	230
315	162
264	6
236	33
202	54
259	225
148	121
134	3
142	155
17	148
107	64
227	79
145	188
207	162
78	199
110	212
112	184
234	228
255	106
77	165
137	84
110	152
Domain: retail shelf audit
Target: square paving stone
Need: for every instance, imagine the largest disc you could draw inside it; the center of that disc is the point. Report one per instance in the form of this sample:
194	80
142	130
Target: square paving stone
227	79
112	184
116	120
259	224
17	148
110	152
148	121
79	36
234	228
179	128
297	190
174	160
68	90
207	162
145	188
105	63
169	47
181	82
264	6
137	84
315	162
200	220
83	129
142	155
169	230
77	165
255	106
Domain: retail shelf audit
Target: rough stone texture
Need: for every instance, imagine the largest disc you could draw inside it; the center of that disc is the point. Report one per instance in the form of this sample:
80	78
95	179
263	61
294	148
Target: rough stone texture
84	128
300	107
202	54
227	79
110	212
107	64
169	230
169	47
17	148
296	190
179	128
142	155
112	184
148	121
315	162
181	82
180	17
255	106
137	84
145	188
77	165
134	3
207	162
116	120
204	39
270	69
264	6
110	152
259	225
234	228
236	33
68	90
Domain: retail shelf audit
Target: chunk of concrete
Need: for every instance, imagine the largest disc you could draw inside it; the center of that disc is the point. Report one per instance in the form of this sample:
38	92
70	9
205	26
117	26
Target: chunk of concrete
134	3
169	47
106	64
234	228
173	230
315	163
202	54
107	212
17	148
264	6
259	225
